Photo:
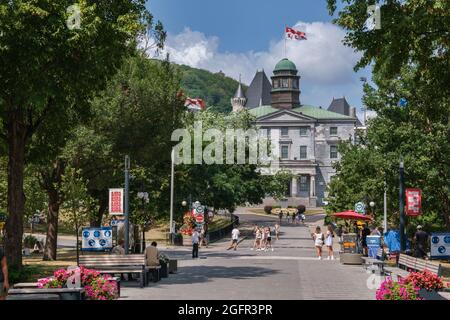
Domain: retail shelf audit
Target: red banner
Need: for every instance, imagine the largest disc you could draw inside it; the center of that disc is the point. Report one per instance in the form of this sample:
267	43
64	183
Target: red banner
413	202
116	201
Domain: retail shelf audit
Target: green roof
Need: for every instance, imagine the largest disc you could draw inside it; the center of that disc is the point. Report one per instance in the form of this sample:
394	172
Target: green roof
285	65
309	111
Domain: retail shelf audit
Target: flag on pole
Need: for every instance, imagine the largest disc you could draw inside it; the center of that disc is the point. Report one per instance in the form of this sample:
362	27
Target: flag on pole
295	34
195	104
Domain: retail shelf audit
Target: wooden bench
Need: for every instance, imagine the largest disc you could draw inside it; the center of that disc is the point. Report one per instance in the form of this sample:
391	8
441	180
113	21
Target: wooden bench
116	264
46	294
407	263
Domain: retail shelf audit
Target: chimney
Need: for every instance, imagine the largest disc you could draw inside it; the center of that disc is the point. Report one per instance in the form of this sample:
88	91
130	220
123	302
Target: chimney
353	112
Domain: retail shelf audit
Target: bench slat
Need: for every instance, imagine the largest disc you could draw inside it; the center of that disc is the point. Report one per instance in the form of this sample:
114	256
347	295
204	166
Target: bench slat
45	291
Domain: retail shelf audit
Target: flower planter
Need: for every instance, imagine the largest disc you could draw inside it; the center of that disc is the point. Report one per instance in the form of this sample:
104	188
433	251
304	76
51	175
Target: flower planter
173	266
429	295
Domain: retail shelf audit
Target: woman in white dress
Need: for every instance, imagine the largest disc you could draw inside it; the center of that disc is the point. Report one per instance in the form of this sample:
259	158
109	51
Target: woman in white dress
318	242
329	242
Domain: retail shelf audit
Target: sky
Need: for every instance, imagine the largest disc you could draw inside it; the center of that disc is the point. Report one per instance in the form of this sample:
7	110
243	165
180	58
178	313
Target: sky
240	37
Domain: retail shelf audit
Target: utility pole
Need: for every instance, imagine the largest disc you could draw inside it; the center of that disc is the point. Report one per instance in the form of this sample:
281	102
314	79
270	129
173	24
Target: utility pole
171	231
126	196
402	206
385	226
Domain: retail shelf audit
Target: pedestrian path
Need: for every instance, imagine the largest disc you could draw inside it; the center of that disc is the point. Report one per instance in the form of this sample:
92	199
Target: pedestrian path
289	272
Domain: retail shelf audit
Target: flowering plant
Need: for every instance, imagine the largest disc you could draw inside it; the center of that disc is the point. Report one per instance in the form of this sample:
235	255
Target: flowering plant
425	280
97	287
391	290
101	288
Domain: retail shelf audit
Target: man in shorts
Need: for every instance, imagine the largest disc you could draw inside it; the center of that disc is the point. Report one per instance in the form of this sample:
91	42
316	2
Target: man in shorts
4	283
234	238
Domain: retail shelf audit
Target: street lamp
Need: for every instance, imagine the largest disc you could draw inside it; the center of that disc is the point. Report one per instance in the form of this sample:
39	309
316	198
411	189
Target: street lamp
402	205
184	203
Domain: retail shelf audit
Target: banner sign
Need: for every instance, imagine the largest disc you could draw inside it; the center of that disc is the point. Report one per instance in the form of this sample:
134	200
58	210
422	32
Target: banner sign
440	245
413	202
116	201
96	239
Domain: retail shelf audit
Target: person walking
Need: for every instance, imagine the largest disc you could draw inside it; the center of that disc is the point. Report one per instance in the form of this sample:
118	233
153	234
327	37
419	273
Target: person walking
318	242
258	238
280	215
277	231
234	238
195	242
329	242
288	217
4	279
263	238
364	233
268	239
421	239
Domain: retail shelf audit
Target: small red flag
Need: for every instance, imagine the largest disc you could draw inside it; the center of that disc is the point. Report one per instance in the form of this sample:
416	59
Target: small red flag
295	34
195	104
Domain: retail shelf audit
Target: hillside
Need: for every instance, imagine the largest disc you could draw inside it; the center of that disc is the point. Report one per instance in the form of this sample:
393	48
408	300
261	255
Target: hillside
214	88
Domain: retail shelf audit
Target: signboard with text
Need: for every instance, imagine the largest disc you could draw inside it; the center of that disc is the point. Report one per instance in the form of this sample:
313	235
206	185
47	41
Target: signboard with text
413	202
116	201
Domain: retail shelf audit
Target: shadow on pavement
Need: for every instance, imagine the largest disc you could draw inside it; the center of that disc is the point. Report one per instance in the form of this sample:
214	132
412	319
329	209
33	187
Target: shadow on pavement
201	274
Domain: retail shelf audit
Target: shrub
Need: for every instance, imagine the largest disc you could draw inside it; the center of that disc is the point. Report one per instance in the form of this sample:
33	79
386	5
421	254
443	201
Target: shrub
268	209
29	241
425	280
391	290
301	209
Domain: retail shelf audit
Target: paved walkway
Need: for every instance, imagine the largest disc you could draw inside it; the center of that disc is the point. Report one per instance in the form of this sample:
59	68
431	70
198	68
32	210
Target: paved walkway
290	272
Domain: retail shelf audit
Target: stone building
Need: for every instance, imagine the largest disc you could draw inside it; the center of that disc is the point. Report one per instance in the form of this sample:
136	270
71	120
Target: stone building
307	136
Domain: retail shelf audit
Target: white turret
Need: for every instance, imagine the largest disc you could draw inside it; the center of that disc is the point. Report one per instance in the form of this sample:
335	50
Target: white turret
239	100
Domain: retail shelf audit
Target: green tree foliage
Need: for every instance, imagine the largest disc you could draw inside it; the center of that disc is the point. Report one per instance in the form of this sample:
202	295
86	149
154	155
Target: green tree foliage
214	88
410	58
48	68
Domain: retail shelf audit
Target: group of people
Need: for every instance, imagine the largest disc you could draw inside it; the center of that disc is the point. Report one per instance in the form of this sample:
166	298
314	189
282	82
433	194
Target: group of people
321	239
263	237
295	218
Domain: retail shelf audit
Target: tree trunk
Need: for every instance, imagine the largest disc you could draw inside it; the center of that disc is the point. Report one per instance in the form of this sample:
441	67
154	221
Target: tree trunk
97	219
51	242
16	138
52	184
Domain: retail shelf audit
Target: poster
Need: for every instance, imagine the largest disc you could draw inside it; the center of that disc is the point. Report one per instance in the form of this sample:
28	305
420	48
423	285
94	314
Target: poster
96	239
440	245
116	201
413	202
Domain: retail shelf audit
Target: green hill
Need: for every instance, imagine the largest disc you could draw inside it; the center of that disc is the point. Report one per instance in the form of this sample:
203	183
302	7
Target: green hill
214	88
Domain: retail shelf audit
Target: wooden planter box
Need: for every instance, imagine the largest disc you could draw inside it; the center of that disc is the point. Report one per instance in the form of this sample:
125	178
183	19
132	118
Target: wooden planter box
173	266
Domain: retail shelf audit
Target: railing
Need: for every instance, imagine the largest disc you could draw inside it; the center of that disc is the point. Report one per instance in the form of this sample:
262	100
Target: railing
225	231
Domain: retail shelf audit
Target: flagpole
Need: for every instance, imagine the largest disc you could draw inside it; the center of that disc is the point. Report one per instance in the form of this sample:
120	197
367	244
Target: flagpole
284	34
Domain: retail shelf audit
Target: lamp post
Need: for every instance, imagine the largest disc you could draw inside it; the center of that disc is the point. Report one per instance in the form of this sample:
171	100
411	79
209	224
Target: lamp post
385	207
126	202
402	205
144	197
372	206
171	231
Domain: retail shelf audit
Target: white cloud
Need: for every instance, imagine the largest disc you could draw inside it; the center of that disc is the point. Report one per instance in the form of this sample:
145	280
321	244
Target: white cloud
324	63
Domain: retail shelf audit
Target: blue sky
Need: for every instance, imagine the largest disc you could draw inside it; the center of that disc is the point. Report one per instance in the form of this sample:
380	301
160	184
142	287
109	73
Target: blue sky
242	36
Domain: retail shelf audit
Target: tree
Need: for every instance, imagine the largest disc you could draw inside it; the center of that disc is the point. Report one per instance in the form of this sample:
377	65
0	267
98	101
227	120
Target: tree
59	69
410	56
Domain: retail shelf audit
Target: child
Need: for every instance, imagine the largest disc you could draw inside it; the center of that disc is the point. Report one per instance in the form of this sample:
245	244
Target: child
268	239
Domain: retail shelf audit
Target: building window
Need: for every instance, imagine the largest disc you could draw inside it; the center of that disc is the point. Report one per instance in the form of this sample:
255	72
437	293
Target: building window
303	131
303	152
333	152
303	184
295	84
285	83
284	131
276	83
284	152
333	131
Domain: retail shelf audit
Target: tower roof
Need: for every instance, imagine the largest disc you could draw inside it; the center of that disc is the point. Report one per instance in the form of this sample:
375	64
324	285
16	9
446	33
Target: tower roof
285	65
239	92
258	93
340	105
